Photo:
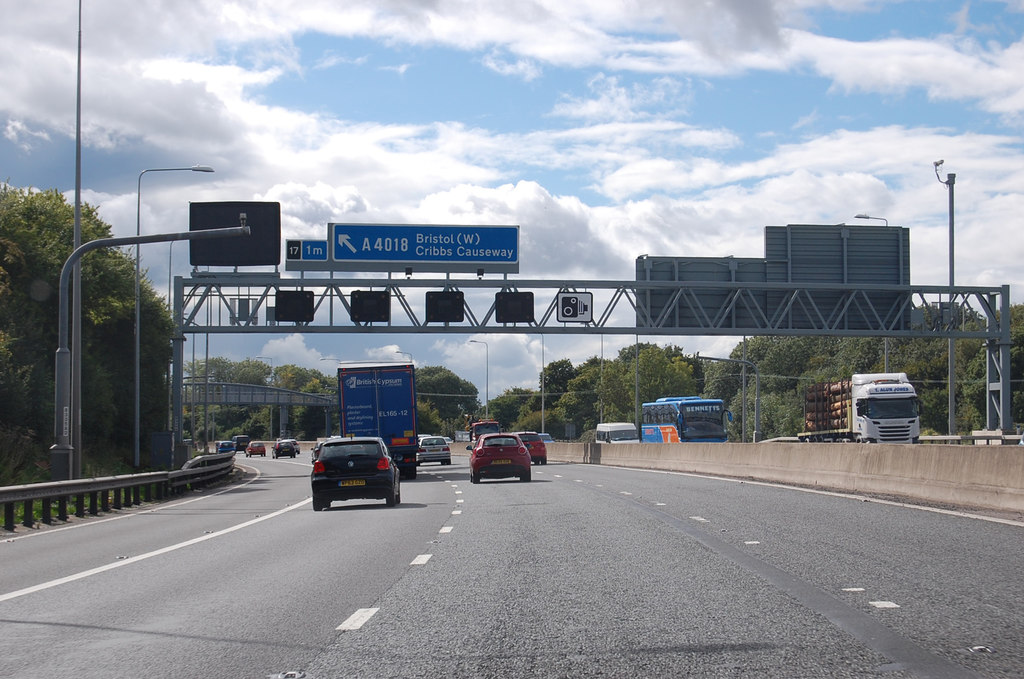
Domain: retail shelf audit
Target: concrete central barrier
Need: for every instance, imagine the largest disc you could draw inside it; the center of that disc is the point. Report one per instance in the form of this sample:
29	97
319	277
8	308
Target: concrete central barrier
990	477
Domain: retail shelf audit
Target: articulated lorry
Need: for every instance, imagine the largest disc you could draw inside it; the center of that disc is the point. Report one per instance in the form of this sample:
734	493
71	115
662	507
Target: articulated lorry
869	407
380	400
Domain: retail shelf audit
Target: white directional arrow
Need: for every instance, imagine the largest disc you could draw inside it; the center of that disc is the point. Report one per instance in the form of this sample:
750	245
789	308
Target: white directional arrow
343	242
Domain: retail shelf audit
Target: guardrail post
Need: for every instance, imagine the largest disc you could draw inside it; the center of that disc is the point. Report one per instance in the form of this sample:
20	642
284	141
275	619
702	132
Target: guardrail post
47	513
9	516
62	508
28	520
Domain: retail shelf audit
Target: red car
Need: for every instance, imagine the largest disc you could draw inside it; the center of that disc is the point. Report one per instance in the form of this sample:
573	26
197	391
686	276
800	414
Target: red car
535	444
255	448
499	456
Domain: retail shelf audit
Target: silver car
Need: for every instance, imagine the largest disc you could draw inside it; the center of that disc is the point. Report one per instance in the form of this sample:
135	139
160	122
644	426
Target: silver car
434	449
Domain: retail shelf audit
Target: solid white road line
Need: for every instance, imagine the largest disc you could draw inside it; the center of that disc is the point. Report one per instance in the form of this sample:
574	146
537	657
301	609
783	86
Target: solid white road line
164	550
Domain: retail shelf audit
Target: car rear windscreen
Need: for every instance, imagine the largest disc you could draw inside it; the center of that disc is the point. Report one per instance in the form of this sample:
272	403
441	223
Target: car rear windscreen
347	449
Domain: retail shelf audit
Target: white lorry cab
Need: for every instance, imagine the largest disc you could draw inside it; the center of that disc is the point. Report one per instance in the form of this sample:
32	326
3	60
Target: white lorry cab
885	408
617	432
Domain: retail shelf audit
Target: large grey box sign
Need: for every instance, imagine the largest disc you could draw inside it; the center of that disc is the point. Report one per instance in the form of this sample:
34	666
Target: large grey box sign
262	247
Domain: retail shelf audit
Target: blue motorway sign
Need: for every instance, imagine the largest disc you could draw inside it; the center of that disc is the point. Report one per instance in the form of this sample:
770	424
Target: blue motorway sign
424	247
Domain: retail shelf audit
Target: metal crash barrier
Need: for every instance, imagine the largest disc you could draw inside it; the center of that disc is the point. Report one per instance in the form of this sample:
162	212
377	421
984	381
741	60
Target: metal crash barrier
97	495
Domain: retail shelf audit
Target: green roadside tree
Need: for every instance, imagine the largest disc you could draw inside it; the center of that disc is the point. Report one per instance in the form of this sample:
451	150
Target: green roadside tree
36	239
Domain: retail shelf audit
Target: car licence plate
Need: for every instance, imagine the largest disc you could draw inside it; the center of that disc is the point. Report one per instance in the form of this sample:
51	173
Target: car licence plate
352	482
501	461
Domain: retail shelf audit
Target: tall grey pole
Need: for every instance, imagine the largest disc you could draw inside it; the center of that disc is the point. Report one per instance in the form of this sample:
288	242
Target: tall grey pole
487	376
62	452
743	378
270	407
76	303
636	383
950	182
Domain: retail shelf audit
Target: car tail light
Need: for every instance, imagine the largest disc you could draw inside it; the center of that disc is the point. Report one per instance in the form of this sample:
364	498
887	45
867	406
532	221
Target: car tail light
422	450
318	467
446	449
383	463
524	451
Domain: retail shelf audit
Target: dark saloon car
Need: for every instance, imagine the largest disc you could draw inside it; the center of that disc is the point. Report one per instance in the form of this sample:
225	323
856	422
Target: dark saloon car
535	444
286	448
499	456
354	468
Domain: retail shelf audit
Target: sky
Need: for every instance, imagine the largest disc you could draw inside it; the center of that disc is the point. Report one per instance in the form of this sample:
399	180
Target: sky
604	129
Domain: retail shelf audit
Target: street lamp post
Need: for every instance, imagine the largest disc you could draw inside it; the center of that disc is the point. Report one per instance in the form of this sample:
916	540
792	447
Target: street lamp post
950	182
885	340
138	307
271	406
864	216
487	378
62	453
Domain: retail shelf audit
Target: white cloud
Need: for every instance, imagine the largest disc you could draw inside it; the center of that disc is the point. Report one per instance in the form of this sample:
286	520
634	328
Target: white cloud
22	136
625	161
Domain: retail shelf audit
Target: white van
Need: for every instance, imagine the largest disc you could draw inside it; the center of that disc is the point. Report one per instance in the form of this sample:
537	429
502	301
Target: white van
617	432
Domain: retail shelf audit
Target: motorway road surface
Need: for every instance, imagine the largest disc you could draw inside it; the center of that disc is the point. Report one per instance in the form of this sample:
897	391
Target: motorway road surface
587	571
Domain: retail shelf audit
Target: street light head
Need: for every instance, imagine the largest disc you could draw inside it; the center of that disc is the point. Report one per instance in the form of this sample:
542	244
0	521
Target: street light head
938	164
201	168
861	216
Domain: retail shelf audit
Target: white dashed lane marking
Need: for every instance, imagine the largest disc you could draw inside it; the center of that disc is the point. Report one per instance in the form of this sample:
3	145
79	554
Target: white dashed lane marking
421	559
446	529
357	619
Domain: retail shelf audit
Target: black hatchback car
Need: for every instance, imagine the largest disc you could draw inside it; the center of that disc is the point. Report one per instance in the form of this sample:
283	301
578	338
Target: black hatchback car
354	468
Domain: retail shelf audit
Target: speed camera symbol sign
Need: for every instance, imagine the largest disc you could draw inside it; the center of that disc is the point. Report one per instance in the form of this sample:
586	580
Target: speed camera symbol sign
575	307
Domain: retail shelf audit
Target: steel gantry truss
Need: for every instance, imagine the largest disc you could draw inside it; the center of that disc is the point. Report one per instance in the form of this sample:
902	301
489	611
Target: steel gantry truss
243	302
